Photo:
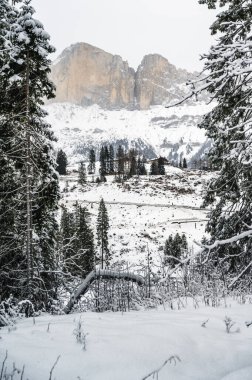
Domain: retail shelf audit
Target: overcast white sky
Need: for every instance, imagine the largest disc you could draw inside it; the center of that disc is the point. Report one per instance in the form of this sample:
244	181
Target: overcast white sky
176	29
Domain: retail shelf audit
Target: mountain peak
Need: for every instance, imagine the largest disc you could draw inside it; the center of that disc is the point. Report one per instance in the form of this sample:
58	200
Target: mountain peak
85	75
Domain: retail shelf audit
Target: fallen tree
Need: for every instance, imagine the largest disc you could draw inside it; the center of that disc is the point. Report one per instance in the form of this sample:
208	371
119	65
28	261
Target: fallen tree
100	274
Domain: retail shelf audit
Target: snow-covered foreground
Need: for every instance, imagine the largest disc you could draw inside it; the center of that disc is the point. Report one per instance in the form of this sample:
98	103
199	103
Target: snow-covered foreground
129	346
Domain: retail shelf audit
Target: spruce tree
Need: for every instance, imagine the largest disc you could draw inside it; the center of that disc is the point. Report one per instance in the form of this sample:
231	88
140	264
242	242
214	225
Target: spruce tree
107	159
61	162
133	166
102	164
91	165
161	168
111	159
228	68
154	168
102	234
77	241
184	163
141	169
27	258
85	244
120	155
68	237
82	174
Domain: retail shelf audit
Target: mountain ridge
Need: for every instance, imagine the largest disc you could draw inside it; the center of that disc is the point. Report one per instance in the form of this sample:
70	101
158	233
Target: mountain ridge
86	75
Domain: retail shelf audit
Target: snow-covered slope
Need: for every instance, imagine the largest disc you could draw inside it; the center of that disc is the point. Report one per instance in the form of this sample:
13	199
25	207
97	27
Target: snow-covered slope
171	132
144	211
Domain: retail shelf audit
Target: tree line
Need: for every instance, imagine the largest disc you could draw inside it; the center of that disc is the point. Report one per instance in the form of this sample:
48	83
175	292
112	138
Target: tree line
122	163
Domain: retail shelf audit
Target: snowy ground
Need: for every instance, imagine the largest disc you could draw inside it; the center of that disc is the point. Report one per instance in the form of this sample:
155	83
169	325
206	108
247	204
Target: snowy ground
129	346
145	211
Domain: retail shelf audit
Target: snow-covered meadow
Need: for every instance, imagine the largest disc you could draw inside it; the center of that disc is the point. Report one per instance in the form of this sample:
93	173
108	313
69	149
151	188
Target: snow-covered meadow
131	345
145	211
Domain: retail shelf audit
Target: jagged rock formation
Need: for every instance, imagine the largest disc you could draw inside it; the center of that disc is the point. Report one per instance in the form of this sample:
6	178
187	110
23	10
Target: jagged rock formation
85	75
157	81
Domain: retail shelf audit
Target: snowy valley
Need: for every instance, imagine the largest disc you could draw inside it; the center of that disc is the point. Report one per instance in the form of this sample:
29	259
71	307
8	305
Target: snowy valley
171	132
125	193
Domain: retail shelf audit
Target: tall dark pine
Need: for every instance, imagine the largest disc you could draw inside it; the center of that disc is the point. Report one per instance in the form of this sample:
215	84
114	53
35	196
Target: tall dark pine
141	169
107	159
68	238
102	164
28	241
82	174
229	82
84	244
184	163
111	159
61	162
154	168
120	155
102	234
91	165
161	167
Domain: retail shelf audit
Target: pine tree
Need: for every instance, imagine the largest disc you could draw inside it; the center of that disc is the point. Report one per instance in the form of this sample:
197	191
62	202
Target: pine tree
154	168
27	257
120	155
61	162
85	243
229	76
82	174
111	159
102	234
77	241
141	169
184	163
133	166
107	159
175	247
68	237
161	168
102	164
91	165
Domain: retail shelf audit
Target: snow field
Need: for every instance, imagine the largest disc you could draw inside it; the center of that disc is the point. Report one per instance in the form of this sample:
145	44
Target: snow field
129	346
145	211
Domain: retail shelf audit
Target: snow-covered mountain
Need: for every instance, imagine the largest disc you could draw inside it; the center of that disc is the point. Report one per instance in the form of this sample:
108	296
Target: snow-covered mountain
101	100
171	132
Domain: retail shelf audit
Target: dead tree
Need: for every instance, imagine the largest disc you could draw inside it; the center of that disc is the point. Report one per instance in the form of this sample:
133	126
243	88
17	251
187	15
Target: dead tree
100	274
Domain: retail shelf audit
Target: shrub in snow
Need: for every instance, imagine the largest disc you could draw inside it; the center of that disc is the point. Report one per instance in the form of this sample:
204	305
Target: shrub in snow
155	374
10	374
80	335
229	324
11	310
8	312
203	324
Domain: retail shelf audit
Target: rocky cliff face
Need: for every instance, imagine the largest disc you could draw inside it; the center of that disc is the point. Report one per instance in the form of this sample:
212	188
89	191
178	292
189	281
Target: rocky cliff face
158	82
85	75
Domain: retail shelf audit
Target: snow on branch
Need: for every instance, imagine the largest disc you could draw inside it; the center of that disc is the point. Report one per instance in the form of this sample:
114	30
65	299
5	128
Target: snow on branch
233	239
103	274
